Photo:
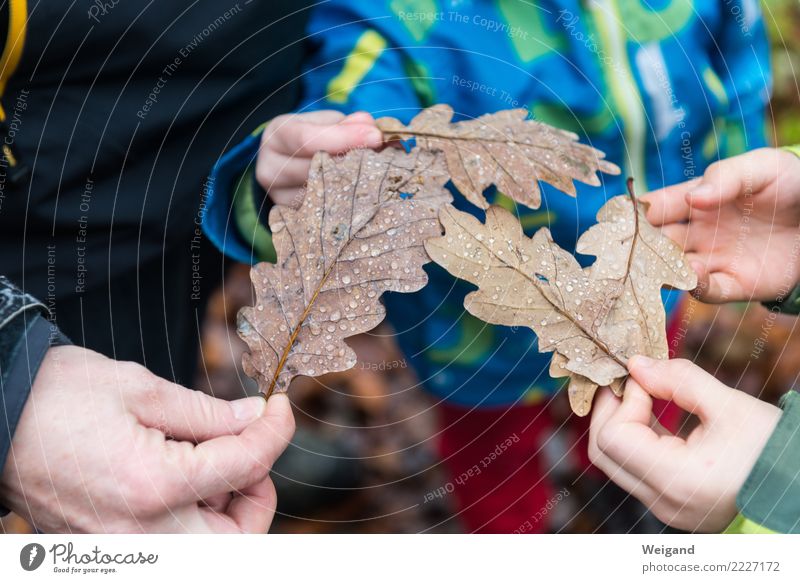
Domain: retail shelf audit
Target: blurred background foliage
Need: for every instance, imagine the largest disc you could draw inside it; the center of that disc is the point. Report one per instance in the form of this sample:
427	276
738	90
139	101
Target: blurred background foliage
783	22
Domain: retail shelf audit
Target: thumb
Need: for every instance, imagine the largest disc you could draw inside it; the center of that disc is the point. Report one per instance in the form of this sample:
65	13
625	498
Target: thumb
190	415
692	389
233	463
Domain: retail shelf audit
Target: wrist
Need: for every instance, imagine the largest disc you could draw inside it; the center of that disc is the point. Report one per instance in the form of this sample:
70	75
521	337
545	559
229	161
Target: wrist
770	496
36	337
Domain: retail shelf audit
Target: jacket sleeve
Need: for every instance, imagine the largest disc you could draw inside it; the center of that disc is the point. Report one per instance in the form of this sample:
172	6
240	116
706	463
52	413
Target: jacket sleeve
356	64
770	498
790	302
769	501
742	65
232	199
25	337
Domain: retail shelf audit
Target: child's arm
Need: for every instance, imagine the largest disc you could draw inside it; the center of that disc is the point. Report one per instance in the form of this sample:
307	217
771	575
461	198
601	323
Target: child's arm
743	454
356	65
739	224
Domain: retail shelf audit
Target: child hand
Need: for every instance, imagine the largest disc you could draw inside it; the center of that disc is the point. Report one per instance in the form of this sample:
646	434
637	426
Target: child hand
689	483
290	141
739	225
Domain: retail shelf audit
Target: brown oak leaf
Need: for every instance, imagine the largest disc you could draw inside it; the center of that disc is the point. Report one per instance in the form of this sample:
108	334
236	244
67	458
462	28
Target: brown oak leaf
630	250
504	149
359	232
595	318
580	390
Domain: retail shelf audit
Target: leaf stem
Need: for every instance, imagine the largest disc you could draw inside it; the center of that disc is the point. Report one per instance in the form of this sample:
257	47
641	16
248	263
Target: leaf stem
632	195
417	134
393	193
564	312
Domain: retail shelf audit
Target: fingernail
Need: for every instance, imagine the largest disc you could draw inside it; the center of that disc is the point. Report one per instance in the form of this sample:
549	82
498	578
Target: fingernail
701	191
248	409
641	361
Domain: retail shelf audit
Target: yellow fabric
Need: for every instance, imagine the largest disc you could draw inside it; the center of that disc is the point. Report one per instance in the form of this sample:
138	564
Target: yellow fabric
793	149
246	215
15	41
742	525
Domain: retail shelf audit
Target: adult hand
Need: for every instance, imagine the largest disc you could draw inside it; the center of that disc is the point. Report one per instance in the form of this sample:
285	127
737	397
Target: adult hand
290	141
106	446
689	483
739	224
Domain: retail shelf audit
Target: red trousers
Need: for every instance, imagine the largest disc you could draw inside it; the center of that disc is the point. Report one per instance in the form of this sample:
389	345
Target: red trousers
495	462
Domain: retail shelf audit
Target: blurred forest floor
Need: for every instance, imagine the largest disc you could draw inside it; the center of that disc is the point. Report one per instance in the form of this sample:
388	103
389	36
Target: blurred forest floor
382	422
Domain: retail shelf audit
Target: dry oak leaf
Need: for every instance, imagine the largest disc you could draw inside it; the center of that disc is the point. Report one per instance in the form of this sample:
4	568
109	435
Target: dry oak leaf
504	149
358	233
530	282
630	250
580	390
594	319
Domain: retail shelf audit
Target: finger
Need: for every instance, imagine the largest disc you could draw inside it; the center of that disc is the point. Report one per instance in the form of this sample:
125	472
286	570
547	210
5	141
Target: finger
191	415
359	117
727	180
253	508
322	116
724	287
278	170
607	404
291	197
283	126
636	406
669	205
714	287
609	412
629	441
678	232
606	407
232	463
218	502
303	139
625	480
692	388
